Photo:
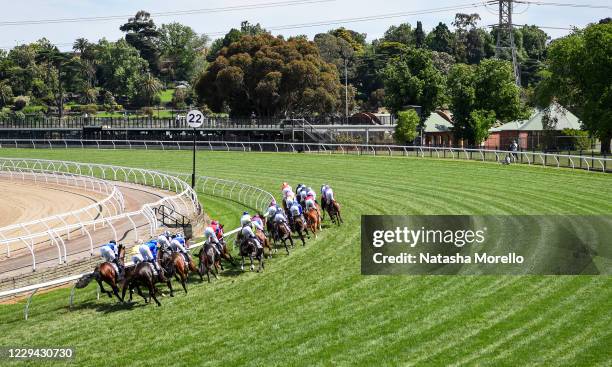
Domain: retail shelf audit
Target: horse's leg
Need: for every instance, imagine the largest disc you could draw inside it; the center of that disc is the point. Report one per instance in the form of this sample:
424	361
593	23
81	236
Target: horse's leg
152	292
242	264
251	257
286	247
116	292
302	237
102	290
169	284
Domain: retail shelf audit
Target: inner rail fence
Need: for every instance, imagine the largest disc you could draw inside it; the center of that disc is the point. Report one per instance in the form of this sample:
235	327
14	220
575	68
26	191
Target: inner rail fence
184	198
586	162
246	194
54	229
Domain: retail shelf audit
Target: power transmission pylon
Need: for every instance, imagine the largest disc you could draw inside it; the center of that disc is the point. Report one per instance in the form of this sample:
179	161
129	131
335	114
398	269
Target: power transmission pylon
505	36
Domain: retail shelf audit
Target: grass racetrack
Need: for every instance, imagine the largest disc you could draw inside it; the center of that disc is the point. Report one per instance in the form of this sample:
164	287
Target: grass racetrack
315	308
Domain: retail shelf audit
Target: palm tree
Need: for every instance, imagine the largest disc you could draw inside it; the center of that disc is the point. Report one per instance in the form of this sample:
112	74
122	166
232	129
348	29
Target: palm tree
80	45
150	86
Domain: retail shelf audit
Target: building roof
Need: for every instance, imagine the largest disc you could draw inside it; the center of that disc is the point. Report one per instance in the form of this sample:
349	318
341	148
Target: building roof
435	123
565	120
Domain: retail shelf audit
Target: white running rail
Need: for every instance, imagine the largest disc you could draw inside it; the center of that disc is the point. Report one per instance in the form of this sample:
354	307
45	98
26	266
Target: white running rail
574	161
185	198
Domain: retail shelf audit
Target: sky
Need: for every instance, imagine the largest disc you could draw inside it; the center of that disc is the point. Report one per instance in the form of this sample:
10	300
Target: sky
306	11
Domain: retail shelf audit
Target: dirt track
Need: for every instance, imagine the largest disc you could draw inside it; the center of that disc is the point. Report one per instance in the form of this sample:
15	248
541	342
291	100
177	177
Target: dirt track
37	201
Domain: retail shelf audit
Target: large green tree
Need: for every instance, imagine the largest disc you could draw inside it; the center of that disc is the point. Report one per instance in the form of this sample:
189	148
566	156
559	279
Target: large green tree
120	67
579	76
271	77
182	51
412	79
142	34
480	93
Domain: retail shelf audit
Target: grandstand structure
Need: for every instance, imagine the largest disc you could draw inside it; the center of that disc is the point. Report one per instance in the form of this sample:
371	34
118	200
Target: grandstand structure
362	127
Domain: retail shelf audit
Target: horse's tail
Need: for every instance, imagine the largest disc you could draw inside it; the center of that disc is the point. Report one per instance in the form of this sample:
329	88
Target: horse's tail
87	278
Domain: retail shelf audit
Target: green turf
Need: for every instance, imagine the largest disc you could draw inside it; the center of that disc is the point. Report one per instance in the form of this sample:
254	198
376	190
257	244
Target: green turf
165	96
314	308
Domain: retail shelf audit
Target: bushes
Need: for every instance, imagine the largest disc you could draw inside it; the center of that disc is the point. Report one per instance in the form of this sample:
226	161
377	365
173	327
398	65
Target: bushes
575	139
405	130
20	102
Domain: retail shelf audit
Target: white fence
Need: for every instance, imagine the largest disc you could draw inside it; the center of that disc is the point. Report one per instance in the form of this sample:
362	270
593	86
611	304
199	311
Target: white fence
185	199
574	161
248	195
53	229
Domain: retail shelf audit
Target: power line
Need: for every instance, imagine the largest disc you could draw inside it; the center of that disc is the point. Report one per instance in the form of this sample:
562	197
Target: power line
165	14
352	20
545	3
366	18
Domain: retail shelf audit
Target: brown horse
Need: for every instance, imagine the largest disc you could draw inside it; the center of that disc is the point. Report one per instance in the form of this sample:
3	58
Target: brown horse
142	275
300	227
313	220
175	265
225	254
106	273
333	209
208	261
250	249
283	233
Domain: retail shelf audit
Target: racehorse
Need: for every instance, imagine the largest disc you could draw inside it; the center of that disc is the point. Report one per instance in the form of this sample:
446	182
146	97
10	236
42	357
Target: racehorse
250	249
333	209
208	261
264	240
283	233
300	227
225	254
142	274
106	272
175	265
313	220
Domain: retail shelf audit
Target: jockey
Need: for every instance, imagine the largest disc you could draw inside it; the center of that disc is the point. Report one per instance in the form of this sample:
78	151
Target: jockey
164	239
310	191
136	257
279	215
211	237
110	253
298	189
257	222
269	214
285	188
329	194
177	246
247	233
217	228
309	202
324	188
148	253
296	210
245	219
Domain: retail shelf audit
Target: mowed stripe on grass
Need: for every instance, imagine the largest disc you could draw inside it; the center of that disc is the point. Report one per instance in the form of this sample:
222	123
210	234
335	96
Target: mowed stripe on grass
314	308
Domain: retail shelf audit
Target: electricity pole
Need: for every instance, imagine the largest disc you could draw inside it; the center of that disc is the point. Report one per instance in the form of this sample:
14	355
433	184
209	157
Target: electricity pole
346	89
505	37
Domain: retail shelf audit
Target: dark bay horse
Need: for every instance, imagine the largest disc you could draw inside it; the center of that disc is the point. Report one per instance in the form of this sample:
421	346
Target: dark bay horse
250	249
106	273
284	233
208	261
300	227
333	209
142	275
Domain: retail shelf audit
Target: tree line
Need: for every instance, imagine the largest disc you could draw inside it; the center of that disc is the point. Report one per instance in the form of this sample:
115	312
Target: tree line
250	71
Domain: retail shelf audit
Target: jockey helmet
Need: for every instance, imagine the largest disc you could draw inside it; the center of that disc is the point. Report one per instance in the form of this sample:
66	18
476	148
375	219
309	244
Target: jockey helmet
245	213
113	242
214	222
